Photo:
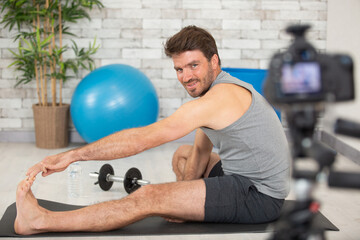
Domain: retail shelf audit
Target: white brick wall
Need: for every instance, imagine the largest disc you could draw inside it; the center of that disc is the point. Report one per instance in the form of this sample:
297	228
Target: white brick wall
132	32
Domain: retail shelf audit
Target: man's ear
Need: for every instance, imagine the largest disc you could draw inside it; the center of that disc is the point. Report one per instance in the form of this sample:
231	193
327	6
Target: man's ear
215	61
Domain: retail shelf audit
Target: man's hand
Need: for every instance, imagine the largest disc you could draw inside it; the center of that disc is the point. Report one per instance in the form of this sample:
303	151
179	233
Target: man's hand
51	164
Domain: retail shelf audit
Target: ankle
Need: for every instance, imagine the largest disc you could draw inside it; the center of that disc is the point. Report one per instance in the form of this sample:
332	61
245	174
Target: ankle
41	221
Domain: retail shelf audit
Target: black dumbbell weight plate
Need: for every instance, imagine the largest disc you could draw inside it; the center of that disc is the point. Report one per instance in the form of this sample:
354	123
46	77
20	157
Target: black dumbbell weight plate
104	171
129	184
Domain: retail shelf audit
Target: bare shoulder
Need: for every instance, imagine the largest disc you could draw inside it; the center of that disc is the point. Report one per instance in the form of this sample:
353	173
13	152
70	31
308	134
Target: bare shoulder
222	105
227	95
229	102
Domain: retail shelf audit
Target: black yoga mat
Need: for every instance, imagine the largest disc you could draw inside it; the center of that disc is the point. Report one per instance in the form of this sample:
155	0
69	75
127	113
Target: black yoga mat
150	226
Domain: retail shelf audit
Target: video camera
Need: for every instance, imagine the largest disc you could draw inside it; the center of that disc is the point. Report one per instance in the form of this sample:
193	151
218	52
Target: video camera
300	82
301	74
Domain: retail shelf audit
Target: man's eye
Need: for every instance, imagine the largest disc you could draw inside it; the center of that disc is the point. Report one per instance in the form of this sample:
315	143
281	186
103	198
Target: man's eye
179	70
194	65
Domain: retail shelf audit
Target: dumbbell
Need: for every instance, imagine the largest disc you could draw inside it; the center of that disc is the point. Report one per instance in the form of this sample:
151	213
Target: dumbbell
132	180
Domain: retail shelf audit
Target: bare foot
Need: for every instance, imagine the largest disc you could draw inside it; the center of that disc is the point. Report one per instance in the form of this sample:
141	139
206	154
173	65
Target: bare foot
29	215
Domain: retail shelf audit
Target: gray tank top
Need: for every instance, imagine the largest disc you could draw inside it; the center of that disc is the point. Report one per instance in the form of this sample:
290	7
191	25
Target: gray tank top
254	146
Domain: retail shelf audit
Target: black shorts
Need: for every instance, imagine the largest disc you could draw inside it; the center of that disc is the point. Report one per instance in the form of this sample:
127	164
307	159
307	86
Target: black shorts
235	199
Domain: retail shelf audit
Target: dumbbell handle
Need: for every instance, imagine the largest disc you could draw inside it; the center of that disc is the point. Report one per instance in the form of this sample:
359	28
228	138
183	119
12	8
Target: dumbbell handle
112	178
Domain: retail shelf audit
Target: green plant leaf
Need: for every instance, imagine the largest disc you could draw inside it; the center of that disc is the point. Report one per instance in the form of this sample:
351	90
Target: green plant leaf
30	46
21	14
38	40
15	54
47	40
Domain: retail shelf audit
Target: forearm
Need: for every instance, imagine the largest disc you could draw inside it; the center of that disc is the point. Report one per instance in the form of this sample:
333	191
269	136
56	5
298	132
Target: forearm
198	160
118	145
191	172
195	165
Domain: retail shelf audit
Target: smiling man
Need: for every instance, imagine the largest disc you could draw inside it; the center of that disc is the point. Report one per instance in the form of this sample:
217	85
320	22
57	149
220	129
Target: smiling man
245	182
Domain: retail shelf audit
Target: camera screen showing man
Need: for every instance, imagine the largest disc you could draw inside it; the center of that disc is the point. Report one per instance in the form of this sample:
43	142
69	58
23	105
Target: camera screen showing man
301	78
303	75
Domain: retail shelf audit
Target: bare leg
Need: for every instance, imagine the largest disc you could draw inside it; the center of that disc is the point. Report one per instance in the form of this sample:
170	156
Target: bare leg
180	157
180	200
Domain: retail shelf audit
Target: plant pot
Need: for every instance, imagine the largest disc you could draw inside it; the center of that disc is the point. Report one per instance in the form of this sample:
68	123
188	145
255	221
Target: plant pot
51	126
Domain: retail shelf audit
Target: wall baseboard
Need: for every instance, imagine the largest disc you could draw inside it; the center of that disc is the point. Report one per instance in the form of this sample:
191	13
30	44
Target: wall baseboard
29	136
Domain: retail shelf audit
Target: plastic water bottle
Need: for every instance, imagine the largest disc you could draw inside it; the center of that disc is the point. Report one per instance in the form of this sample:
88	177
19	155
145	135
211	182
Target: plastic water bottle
74	180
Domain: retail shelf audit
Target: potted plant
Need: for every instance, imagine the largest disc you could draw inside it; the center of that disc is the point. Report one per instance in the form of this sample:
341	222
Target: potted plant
40	26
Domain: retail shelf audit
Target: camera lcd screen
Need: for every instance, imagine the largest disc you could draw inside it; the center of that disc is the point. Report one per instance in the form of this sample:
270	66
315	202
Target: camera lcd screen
301	78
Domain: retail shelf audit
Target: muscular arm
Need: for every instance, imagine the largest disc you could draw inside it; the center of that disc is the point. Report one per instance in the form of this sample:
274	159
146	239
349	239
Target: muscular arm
216	109
133	141
129	142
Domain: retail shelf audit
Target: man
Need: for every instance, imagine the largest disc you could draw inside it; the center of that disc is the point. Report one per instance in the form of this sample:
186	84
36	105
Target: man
245	183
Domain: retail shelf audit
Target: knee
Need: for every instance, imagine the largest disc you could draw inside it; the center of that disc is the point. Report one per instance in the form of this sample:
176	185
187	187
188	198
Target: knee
148	191
181	152
148	195
141	201
144	191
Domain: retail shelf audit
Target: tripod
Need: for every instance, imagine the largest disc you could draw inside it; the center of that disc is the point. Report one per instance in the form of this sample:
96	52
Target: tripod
298	222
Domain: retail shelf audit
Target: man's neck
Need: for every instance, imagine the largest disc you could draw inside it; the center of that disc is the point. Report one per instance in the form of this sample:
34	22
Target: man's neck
217	72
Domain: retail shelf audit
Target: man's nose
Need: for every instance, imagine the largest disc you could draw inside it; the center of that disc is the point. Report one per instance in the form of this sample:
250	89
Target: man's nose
187	75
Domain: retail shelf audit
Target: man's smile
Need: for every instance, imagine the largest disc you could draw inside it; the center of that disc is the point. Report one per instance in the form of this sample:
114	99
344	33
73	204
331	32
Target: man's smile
192	84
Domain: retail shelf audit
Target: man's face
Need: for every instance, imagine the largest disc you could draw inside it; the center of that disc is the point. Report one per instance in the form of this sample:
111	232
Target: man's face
194	72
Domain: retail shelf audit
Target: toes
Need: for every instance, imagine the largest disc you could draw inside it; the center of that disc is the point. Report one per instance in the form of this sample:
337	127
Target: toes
22	184
26	184
31	180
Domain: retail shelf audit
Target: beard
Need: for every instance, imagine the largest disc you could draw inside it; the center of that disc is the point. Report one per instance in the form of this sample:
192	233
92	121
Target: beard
205	84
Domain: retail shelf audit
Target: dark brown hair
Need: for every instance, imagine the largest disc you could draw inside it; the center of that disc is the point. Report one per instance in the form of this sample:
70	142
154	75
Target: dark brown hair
192	38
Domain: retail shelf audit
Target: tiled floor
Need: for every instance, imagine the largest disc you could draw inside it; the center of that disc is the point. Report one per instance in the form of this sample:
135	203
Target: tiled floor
341	206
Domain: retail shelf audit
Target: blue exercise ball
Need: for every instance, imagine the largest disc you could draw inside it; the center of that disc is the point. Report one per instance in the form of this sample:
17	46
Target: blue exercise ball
112	98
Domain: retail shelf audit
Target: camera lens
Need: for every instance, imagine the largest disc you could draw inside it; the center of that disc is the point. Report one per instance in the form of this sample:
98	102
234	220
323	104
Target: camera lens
306	55
345	60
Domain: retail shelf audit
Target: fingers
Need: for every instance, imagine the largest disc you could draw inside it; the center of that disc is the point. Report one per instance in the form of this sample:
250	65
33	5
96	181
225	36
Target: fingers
49	165
47	172
30	180
34	170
